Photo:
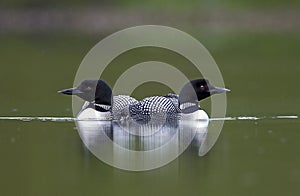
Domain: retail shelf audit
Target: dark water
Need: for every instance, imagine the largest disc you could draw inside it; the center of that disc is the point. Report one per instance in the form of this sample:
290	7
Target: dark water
250	158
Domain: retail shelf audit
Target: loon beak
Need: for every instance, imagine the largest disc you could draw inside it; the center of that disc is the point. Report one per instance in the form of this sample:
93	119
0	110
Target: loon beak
218	90
70	91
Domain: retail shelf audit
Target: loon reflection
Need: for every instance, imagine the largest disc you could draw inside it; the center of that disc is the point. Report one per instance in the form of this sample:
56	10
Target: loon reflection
111	139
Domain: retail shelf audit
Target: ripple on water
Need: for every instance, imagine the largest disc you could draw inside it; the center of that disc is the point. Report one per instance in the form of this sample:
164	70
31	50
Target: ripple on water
70	119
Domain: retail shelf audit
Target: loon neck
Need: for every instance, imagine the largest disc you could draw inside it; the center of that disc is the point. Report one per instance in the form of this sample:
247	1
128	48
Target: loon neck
189	107
100	107
188	94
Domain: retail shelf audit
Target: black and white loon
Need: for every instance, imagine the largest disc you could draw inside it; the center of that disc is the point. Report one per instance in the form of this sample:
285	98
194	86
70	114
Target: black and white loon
172	106
100	104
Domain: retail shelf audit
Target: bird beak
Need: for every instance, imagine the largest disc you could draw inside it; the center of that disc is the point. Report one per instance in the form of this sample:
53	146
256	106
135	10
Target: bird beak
218	90
70	91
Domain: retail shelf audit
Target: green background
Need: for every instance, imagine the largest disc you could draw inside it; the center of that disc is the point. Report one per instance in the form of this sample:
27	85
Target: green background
261	67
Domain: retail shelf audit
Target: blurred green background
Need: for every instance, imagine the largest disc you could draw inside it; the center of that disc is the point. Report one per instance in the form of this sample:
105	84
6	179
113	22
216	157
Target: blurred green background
255	44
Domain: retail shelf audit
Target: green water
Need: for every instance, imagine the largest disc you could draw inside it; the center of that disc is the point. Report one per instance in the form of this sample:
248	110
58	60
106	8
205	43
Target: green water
249	158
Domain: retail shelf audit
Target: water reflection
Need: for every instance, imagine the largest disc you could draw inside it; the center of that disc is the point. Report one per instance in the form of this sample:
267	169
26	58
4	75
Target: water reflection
137	147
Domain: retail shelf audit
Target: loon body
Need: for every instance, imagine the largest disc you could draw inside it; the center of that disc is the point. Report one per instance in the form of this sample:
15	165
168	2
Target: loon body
174	107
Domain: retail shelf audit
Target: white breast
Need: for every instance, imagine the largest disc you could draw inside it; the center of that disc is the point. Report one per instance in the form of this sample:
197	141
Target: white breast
197	115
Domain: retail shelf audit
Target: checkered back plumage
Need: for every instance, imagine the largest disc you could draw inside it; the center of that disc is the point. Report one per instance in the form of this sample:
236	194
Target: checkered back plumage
120	103
154	108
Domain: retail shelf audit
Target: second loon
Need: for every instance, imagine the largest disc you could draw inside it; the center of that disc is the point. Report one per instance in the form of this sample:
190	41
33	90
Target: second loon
172	106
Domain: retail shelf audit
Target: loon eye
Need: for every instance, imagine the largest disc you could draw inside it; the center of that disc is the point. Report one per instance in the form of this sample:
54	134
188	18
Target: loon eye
202	87
87	88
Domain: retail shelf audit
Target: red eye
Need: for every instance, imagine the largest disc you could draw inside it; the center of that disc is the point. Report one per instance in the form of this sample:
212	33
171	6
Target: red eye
202	87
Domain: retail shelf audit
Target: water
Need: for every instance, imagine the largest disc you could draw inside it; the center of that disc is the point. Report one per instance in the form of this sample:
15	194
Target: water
54	119
253	156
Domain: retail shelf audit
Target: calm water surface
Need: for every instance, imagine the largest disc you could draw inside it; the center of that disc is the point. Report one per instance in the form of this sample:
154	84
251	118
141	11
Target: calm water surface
251	157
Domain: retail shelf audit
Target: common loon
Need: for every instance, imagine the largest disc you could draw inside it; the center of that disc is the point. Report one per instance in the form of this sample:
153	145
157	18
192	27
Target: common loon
171	106
100	104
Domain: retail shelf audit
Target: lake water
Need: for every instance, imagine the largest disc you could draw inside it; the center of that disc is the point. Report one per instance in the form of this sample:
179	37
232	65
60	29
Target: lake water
250	157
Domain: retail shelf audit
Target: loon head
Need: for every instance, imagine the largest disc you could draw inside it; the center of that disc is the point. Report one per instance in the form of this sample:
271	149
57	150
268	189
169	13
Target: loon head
96	91
199	89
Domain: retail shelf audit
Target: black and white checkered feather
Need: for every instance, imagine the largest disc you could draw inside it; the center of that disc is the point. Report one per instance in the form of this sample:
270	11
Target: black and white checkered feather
174	98
120	102
154	108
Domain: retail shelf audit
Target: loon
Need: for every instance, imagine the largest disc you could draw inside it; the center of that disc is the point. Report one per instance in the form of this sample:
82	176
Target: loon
99	102
171	106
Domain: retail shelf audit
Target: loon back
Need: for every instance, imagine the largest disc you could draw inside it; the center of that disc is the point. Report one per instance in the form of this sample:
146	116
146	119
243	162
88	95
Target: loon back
120	102
154	108
174	98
